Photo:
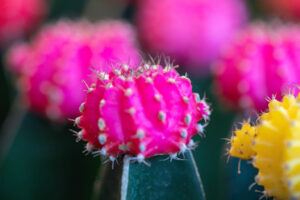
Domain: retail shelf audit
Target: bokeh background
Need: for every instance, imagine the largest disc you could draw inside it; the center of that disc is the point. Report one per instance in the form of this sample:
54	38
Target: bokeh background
45	162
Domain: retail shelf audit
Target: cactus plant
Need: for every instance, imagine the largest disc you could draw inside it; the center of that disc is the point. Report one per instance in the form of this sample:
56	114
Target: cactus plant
273	145
141	113
260	62
60	58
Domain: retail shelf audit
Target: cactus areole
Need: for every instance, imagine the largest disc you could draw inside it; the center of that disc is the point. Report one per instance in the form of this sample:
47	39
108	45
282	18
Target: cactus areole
273	144
142	112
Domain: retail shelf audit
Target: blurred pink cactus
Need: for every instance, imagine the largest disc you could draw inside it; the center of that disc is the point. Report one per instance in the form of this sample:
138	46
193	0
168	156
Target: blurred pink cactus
192	32
261	62
19	17
52	68
285	8
144	112
116	43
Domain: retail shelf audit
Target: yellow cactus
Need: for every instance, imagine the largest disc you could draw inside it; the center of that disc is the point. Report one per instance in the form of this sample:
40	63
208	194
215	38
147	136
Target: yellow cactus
274	146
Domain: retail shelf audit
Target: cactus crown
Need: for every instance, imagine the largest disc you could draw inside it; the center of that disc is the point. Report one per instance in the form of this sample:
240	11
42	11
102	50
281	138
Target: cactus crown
143	112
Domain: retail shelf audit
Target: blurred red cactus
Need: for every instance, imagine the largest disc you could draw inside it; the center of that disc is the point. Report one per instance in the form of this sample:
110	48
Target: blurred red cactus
19	17
192	32
262	61
52	68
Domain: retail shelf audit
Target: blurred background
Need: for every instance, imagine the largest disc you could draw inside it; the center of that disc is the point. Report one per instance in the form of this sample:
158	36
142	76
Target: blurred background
43	161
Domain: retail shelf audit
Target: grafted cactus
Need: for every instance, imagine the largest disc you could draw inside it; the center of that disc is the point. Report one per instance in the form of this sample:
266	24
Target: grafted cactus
135	114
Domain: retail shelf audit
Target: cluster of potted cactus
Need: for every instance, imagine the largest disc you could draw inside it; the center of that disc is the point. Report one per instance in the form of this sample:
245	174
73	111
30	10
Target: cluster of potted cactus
151	95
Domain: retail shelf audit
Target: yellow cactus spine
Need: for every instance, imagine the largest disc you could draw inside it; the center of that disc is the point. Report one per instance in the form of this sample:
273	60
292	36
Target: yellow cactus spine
274	145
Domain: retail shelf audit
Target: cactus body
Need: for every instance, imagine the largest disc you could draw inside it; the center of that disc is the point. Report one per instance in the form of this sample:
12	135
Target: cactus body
191	32
143	112
261	62
51	69
274	148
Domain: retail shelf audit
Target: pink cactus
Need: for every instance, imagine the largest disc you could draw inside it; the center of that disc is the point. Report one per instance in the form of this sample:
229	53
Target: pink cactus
192	32
144	112
61	57
114	44
261	62
19	17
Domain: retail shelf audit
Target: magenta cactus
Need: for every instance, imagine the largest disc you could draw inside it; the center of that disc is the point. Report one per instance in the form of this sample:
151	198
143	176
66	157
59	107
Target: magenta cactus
191	32
114	42
261	62
19	17
52	69
144	112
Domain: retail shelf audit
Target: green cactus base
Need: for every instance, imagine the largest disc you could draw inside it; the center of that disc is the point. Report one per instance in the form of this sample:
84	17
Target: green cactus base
45	163
239	186
163	179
